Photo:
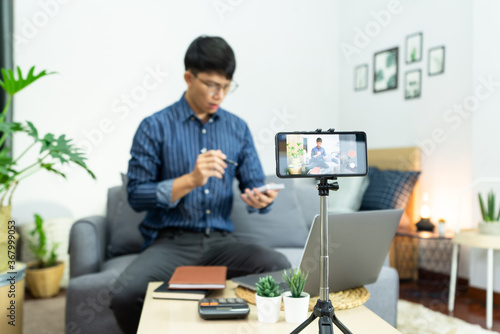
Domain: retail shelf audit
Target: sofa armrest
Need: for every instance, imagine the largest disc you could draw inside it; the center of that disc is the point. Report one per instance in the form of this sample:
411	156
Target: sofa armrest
87	245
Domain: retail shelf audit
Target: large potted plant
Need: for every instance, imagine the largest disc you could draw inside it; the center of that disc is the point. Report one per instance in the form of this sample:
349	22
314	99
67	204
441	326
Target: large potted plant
44	274
268	300
53	152
491	217
296	300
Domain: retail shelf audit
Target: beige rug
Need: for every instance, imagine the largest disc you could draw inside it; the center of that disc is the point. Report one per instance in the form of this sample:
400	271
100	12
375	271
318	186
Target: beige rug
417	319
44	316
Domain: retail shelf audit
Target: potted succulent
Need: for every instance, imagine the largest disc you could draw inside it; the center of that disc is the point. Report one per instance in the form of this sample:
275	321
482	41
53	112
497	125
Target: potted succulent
295	153
53	152
43	275
296	300
491	217
268	300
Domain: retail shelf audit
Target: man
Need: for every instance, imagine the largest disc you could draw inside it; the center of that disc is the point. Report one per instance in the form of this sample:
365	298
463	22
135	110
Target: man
181	171
318	155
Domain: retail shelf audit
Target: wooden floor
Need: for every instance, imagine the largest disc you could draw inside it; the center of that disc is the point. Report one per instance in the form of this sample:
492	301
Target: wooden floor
431	290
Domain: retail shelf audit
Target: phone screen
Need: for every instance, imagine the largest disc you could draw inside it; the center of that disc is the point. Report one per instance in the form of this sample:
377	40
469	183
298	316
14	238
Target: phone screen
310	154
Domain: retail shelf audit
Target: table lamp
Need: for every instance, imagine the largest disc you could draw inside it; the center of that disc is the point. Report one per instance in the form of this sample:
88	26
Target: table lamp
425	224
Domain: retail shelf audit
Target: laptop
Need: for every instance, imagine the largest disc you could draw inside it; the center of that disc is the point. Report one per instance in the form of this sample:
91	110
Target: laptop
358	245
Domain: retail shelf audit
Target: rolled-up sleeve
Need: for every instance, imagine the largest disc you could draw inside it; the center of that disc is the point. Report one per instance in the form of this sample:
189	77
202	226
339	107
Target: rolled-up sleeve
164	194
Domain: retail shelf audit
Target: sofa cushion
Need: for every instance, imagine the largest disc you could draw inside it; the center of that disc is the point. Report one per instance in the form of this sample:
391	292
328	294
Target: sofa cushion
283	226
349	196
388	189
123	223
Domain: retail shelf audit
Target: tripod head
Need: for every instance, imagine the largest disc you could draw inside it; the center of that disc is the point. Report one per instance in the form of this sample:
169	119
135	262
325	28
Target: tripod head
324	186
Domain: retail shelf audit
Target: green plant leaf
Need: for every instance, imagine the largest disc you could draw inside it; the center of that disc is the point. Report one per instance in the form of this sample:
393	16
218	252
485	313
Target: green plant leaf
483	209
50	168
295	281
32	131
267	287
51	261
39	247
61	149
12	85
491	206
11	127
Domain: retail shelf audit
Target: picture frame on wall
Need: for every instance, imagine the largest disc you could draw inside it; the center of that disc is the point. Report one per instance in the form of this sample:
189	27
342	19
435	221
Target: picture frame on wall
361	77
414	48
436	60
385	70
413	84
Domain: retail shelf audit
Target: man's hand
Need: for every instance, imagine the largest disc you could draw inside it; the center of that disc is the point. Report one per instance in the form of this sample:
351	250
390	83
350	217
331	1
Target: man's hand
258	199
208	164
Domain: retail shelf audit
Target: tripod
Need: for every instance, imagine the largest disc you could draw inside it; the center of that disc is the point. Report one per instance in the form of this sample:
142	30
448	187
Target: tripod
324	308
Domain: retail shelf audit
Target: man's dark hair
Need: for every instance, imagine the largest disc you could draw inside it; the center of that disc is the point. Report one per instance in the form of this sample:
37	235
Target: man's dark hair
319	140
207	53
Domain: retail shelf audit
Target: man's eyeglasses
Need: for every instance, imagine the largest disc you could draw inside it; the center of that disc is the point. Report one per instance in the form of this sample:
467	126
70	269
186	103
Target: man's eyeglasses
213	88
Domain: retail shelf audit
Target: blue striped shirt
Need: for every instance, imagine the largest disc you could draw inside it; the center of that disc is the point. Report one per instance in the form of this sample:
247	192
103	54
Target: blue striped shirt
166	146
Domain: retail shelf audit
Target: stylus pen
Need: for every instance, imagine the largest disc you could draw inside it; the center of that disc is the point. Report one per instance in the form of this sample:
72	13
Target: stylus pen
230	162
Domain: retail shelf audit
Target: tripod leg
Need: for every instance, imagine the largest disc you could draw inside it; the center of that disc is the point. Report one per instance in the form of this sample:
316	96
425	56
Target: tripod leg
340	325
304	324
325	325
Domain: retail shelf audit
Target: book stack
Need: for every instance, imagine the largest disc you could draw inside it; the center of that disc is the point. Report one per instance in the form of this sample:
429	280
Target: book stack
192	282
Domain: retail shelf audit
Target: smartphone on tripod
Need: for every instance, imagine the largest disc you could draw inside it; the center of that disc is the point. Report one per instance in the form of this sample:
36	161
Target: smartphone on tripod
321	154
324	156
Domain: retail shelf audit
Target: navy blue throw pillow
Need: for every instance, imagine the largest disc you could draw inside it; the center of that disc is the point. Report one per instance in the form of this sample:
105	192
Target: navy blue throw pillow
388	189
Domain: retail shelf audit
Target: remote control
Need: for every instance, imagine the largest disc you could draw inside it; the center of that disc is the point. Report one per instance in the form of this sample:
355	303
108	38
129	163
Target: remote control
223	308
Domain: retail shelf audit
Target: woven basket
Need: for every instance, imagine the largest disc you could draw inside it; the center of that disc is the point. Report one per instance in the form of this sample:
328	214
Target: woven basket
340	300
44	282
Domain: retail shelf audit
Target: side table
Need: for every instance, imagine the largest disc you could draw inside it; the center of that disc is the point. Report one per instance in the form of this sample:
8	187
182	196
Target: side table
404	254
472	238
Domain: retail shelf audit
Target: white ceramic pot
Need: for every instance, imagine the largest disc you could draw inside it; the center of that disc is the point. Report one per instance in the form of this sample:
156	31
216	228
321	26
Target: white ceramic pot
296	309
492	228
268	308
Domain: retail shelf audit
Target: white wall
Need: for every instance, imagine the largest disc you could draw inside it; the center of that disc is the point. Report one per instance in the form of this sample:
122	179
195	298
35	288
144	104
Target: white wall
105	52
485	120
392	121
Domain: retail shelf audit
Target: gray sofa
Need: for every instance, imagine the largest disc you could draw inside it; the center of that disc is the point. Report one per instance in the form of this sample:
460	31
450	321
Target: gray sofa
101	247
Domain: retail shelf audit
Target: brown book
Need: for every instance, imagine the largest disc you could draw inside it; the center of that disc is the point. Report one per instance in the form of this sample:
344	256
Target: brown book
198	277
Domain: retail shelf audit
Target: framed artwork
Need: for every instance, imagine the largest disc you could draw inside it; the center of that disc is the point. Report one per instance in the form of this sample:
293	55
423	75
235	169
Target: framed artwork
385	70
413	84
414	48
361	77
436	60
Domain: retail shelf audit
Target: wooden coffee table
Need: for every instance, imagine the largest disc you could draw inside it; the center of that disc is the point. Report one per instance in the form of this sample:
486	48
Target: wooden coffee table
181	316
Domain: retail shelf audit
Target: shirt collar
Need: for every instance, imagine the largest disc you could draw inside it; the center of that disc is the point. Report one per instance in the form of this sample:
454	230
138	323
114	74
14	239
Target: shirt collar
186	113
